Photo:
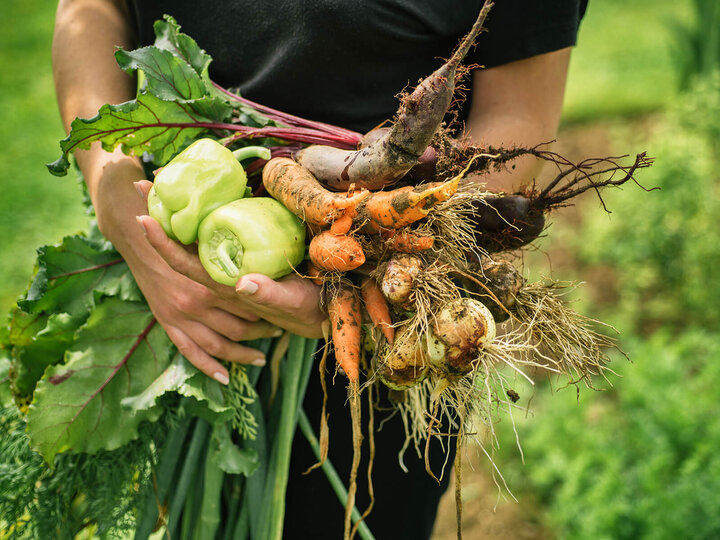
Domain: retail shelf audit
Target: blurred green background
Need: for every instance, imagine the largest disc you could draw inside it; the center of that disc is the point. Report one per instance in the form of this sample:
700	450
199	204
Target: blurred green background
638	460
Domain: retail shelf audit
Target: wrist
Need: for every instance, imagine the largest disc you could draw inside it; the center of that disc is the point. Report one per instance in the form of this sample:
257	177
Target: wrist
109	177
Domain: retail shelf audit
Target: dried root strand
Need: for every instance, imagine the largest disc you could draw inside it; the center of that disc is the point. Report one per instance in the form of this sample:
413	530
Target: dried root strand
355	415
324	439
570	345
479	397
371	461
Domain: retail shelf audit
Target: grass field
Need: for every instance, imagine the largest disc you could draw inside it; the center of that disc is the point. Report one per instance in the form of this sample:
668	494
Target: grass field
35	207
623	63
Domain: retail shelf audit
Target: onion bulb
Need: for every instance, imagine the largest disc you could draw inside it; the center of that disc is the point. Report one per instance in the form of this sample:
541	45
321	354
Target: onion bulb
459	332
406	363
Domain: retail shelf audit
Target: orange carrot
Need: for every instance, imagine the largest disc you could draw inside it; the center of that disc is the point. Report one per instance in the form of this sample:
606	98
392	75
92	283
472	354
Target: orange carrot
315	274
377	308
299	191
343	224
345	326
345	323
404	241
400	207
336	252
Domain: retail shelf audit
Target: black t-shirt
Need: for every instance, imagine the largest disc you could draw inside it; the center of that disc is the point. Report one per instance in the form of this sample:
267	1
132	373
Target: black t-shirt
345	62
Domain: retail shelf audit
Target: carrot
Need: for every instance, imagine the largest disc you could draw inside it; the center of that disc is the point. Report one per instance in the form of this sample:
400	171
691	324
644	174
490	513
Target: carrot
345	317
343	224
336	252
402	206
315	274
404	241
298	190
419	117
377	307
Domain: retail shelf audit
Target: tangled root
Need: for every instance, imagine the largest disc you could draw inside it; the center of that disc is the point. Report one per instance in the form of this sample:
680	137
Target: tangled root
568	342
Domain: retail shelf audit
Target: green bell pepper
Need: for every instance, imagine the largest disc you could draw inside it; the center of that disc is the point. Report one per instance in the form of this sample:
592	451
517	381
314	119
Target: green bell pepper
198	180
254	235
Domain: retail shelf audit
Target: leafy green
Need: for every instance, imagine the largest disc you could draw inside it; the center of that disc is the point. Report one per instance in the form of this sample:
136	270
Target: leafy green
69	279
229	457
104	489
176	103
181	377
240	394
169	38
166	77
77	405
146	124
39	340
70	276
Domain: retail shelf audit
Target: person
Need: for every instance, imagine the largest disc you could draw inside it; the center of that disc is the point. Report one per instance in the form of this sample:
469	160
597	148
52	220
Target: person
342	63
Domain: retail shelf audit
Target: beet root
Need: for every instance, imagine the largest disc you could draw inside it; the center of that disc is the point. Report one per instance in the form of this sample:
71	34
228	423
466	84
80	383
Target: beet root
390	157
507	222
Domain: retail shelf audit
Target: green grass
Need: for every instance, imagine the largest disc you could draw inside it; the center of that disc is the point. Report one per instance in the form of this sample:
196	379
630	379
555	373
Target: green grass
622	65
35	207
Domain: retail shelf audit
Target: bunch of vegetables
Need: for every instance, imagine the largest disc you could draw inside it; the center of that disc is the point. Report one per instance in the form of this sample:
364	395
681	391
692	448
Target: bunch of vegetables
416	263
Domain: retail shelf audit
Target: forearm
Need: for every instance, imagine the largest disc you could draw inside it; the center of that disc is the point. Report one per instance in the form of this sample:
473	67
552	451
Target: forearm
518	104
87	33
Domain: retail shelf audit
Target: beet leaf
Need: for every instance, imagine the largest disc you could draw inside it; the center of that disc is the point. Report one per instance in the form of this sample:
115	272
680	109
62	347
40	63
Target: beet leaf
77	405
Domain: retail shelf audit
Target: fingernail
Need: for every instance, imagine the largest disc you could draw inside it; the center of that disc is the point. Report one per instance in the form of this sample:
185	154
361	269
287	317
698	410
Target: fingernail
139	190
142	224
220	377
279	332
258	362
247	287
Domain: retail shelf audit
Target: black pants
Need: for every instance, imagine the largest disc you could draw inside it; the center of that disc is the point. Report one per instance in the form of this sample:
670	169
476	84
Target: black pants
405	503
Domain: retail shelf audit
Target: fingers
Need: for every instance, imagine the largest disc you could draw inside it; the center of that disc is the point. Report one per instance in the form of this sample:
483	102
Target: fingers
292	303
196	356
209	344
292	295
236	329
143	188
220	347
178	258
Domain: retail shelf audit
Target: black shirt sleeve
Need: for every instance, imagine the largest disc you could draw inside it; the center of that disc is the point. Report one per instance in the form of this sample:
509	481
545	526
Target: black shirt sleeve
519	29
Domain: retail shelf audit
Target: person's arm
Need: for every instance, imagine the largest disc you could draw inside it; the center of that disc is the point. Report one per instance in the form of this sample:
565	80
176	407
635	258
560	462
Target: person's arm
205	320
518	104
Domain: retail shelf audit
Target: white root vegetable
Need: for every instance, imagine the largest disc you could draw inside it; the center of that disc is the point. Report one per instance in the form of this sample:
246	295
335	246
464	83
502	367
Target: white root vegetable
458	333
406	363
399	279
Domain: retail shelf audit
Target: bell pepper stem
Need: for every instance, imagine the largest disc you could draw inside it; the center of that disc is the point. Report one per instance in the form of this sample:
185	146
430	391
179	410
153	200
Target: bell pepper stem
252	151
226	252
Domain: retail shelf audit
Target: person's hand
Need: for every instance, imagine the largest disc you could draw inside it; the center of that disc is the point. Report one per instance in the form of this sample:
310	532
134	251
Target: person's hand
291	303
201	318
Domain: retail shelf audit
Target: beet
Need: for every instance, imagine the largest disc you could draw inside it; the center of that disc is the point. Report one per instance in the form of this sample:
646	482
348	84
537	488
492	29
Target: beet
391	156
